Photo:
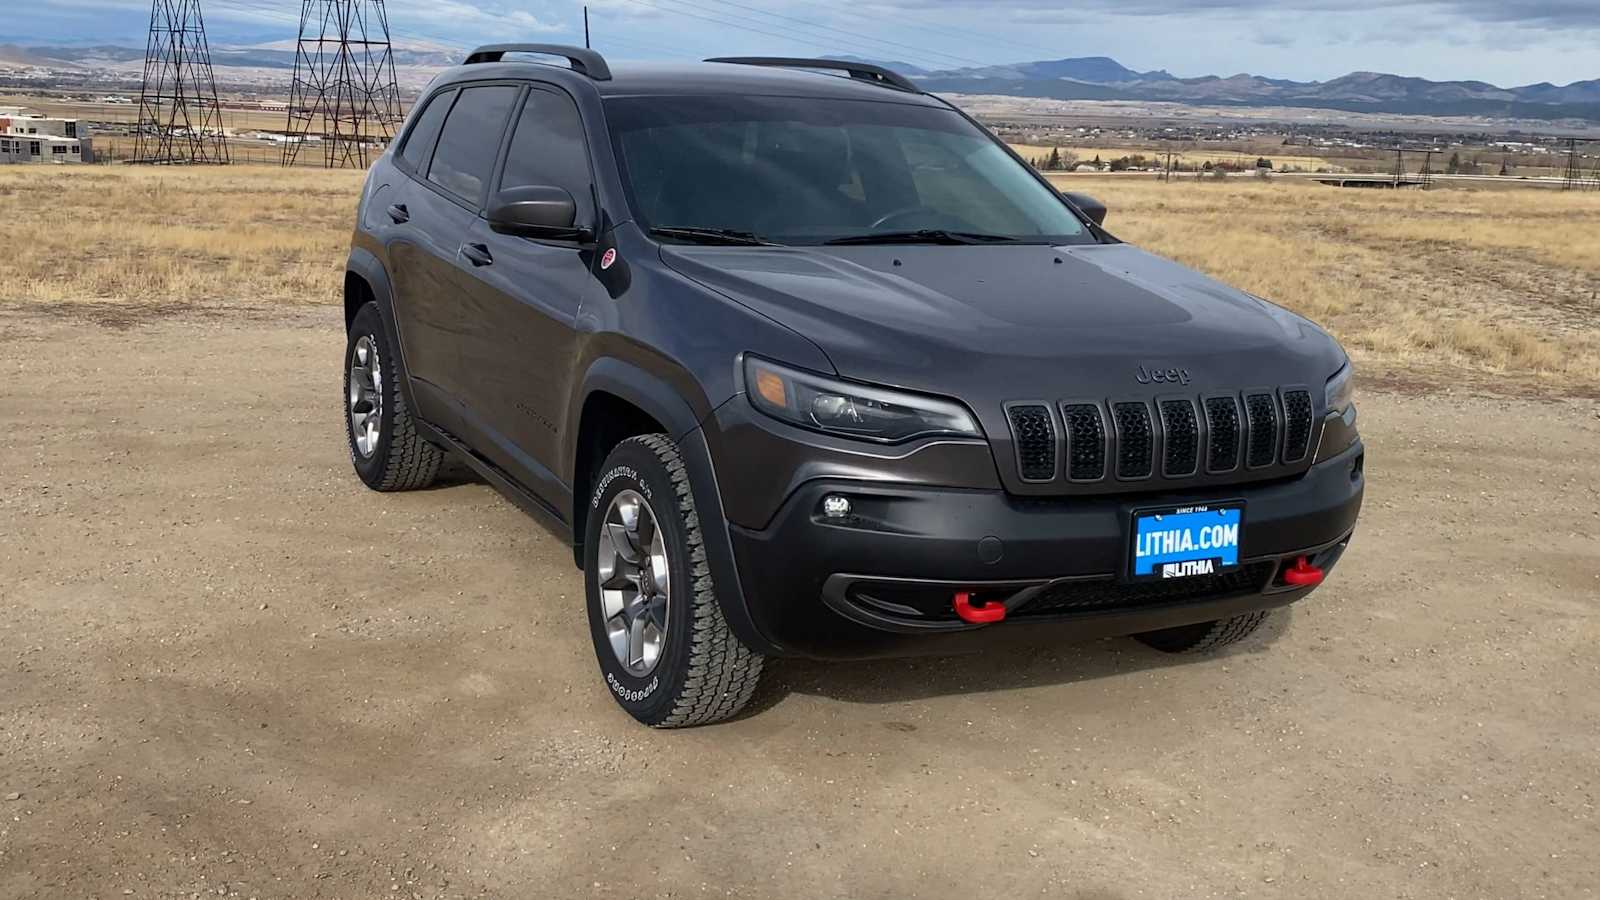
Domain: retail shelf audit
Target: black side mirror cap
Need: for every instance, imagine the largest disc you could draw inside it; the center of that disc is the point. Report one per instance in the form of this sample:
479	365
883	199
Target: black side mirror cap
1087	205
537	211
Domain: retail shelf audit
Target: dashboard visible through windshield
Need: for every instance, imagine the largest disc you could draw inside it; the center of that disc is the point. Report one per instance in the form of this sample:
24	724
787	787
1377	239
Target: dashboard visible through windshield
796	170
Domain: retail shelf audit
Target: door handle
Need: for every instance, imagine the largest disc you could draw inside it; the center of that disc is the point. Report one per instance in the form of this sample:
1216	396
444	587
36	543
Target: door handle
399	213
477	254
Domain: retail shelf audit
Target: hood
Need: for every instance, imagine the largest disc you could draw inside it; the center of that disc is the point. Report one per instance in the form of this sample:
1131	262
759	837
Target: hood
991	324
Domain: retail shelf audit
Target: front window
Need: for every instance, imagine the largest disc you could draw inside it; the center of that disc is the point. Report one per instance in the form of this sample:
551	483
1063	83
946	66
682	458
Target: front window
808	171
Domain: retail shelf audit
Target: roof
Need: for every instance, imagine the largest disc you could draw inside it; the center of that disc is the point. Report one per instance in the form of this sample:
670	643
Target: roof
704	78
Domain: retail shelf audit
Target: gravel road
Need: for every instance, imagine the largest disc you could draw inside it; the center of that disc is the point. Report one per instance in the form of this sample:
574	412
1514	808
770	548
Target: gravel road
227	669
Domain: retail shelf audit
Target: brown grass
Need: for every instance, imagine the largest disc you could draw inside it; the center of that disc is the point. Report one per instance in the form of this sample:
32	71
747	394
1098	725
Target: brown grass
164	235
1496	282
1488	283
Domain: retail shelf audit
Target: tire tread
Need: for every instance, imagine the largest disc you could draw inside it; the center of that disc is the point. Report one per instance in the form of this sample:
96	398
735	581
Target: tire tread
723	672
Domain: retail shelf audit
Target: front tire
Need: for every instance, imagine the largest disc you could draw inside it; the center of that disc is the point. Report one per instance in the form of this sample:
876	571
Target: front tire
1204	637
385	448
665	651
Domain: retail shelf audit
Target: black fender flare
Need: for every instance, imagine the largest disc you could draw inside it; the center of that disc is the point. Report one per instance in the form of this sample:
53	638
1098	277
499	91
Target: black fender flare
656	397
369	268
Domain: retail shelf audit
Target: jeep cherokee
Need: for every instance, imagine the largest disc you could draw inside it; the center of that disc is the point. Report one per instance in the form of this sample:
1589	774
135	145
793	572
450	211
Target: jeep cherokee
802	361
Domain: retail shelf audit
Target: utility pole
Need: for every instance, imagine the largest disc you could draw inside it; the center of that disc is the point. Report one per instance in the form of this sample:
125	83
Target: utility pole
344	89
180	120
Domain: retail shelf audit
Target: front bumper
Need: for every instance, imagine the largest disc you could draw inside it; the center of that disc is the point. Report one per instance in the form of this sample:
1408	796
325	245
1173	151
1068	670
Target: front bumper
880	584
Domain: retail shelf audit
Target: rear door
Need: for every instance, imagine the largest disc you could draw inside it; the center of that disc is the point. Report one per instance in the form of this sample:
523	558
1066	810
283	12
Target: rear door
520	340
412	236
442	202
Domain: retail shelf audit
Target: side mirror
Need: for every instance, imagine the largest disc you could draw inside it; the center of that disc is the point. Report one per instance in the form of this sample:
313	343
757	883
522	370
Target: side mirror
1087	205
537	211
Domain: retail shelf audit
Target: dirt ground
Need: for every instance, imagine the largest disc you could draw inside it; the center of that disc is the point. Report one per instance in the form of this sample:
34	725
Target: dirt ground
228	669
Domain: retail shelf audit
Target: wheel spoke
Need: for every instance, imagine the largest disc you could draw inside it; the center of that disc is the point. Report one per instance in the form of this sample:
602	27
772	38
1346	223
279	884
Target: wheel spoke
636	642
623	543
656	613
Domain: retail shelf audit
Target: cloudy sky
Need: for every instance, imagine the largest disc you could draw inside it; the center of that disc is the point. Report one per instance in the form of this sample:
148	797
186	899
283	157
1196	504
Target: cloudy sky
1507	42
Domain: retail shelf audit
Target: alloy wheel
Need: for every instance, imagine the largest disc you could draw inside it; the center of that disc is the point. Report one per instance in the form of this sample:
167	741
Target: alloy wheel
366	396
635	583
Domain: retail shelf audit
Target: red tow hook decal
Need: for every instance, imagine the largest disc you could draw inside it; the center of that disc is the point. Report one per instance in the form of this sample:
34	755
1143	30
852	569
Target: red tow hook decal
979	615
1302	574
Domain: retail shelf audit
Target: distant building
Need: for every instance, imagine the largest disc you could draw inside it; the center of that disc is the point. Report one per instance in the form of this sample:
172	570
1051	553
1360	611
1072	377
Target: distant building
27	138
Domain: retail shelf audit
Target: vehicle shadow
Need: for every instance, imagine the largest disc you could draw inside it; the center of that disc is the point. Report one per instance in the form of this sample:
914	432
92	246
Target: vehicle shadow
920	678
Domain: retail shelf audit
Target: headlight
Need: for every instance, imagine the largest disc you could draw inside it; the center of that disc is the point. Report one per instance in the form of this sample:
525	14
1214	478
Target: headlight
1341	391
852	410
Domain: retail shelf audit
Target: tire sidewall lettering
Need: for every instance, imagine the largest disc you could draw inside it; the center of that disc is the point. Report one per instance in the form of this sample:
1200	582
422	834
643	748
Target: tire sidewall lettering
633	696
622	471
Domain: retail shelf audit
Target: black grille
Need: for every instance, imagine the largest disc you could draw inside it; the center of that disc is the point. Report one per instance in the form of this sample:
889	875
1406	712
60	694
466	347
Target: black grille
1135	440
1261	414
1086	441
1110	594
1222	427
1183	440
1296	425
1182	431
1036	442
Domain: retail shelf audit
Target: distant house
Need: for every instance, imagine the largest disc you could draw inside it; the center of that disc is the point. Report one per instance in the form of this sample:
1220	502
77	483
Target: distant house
273	105
26	138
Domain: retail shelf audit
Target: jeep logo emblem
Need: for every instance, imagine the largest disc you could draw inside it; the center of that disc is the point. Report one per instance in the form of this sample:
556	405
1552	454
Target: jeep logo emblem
1171	375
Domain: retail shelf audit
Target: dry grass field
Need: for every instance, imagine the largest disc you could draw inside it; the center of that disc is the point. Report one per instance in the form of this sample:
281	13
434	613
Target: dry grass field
1500	286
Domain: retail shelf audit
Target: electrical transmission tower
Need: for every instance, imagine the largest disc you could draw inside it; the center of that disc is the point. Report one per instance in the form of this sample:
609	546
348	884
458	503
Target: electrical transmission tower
344	89
180	120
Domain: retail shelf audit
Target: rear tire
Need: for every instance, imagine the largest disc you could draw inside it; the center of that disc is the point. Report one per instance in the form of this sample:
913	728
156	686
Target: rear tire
686	667
1204	636
385	448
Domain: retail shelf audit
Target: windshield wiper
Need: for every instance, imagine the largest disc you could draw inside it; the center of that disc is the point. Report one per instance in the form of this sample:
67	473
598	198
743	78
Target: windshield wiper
725	236
925	236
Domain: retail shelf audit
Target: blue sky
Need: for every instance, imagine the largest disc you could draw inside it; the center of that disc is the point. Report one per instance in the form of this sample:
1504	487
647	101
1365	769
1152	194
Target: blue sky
1506	42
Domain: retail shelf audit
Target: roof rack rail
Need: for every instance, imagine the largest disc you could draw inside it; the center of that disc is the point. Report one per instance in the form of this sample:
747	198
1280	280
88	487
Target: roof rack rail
861	71
584	62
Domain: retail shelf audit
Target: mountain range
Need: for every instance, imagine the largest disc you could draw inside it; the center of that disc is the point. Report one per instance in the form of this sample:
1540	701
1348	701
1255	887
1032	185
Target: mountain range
1080	78
1103	78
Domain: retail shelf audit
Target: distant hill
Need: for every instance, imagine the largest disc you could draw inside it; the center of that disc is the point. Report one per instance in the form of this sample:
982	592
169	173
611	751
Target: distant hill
1100	78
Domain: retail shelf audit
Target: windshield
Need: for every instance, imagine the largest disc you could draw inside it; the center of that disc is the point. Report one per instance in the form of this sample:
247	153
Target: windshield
799	170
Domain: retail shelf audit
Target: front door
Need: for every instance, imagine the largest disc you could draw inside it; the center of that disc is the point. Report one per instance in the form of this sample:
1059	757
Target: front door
520	346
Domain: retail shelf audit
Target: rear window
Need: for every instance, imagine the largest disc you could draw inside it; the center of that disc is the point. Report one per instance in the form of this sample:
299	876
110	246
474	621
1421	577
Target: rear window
419	142
470	141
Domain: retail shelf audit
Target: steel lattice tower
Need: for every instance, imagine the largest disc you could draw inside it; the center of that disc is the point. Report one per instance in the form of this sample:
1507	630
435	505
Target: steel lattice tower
344	88
180	120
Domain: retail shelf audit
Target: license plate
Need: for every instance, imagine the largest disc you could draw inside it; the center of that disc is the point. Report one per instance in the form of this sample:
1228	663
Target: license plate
1185	541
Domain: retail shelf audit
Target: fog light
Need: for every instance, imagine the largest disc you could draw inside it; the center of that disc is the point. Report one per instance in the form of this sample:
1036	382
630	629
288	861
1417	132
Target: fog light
836	507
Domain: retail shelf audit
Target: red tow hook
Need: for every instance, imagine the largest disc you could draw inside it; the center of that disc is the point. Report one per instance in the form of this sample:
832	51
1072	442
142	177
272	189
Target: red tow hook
986	614
1302	574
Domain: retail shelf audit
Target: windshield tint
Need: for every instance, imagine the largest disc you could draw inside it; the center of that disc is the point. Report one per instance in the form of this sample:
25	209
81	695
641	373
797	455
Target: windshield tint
805	171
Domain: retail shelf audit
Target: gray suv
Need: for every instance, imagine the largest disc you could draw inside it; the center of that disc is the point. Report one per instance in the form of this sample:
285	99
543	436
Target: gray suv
802	361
